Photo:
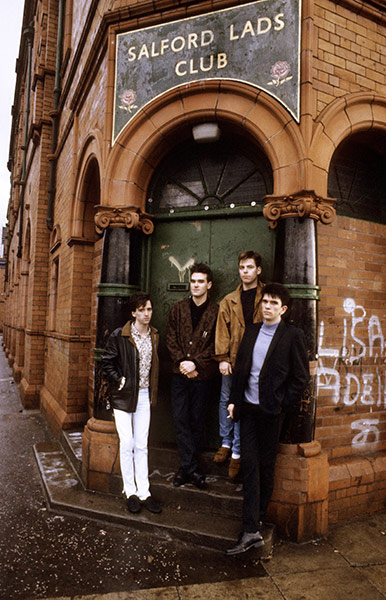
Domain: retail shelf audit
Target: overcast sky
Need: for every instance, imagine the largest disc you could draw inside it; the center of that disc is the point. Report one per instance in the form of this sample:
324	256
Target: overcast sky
10	29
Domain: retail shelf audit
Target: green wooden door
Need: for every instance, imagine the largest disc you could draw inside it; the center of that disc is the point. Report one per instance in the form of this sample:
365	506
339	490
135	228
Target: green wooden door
174	246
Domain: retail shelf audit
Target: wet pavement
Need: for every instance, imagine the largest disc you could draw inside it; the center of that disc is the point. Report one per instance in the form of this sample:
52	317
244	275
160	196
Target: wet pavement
43	554
48	555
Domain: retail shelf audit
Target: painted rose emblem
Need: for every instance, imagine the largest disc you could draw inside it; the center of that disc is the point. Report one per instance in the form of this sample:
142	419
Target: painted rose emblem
279	73
127	99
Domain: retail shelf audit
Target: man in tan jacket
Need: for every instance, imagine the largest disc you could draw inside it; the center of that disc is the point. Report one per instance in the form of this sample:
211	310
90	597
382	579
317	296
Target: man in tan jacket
237	310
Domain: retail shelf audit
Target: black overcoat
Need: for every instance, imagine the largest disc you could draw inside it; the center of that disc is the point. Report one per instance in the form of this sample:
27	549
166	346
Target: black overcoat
284	374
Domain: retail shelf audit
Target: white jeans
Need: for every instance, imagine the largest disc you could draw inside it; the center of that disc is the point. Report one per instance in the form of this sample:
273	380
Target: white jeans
133	432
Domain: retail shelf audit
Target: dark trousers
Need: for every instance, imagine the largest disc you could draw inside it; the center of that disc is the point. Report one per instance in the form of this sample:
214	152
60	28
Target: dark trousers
189	400
259	435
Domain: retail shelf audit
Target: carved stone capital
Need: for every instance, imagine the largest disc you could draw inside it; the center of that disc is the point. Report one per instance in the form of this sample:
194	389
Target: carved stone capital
130	217
304	204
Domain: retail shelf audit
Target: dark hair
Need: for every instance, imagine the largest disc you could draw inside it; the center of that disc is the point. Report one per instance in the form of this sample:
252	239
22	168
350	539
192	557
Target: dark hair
137	300
278	290
202	268
250	254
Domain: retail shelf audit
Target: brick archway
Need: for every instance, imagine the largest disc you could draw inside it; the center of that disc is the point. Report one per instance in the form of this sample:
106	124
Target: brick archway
345	116
67	406
90	155
155	130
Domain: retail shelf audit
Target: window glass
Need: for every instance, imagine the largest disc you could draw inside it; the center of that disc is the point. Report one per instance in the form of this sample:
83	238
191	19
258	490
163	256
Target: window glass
196	176
357	177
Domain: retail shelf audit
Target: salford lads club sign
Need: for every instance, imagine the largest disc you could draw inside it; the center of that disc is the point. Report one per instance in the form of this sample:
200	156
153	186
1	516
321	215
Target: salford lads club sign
256	43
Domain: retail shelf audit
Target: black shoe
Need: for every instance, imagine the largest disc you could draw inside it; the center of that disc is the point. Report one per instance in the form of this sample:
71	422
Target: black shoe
152	505
198	480
180	478
133	504
245	542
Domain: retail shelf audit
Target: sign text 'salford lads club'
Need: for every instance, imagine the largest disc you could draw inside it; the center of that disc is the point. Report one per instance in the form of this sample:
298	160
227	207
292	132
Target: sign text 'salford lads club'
257	43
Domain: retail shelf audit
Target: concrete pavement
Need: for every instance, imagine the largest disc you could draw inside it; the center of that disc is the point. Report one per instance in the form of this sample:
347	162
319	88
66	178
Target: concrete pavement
349	564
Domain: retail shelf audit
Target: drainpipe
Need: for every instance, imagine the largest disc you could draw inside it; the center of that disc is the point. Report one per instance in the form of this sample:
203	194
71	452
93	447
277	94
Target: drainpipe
55	118
26	32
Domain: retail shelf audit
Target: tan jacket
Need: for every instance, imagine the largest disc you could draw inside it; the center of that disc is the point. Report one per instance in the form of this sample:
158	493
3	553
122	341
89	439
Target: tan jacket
231	326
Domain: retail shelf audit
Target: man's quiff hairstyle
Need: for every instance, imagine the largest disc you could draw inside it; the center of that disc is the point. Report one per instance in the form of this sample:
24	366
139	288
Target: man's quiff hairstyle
202	268
250	254
278	290
138	300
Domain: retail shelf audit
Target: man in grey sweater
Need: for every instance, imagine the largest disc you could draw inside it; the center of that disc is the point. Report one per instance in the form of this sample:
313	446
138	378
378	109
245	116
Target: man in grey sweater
271	374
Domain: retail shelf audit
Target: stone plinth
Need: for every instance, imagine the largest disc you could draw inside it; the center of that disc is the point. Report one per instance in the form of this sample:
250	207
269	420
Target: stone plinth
299	505
100	456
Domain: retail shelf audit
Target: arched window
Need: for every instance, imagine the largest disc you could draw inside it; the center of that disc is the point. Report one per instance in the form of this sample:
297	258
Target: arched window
90	198
223	174
357	177
87	199
27	244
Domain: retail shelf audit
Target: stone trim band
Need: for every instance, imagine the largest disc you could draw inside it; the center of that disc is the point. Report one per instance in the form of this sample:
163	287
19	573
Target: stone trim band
304	204
303	291
116	290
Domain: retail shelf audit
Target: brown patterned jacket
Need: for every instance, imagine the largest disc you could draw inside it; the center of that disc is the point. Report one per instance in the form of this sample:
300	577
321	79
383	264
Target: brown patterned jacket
185	344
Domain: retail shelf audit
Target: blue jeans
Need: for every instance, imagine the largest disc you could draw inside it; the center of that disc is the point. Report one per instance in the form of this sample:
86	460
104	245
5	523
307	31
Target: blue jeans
229	430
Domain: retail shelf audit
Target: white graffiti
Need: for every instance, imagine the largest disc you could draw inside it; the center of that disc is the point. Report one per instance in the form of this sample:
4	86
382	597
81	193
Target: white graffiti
355	372
366	427
181	269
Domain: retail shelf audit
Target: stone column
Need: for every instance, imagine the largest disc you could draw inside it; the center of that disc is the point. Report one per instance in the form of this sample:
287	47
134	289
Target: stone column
100	463
113	293
299	504
296	267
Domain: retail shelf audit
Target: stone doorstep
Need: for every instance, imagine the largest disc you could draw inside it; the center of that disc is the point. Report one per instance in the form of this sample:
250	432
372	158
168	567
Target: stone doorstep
66	494
222	497
159	457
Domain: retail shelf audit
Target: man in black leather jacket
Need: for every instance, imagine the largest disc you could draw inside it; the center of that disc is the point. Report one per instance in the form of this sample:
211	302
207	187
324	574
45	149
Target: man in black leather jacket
130	365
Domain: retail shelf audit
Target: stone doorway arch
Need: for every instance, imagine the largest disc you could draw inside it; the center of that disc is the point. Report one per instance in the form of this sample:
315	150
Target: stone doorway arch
155	130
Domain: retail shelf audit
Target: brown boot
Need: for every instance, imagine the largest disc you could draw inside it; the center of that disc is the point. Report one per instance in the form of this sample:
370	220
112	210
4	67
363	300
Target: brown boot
222	454
234	467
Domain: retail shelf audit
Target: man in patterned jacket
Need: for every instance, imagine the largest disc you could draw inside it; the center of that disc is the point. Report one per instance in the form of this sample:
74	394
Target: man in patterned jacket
190	341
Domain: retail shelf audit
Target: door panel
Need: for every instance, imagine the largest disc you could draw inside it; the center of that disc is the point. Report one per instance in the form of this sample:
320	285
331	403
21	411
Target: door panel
176	244
230	237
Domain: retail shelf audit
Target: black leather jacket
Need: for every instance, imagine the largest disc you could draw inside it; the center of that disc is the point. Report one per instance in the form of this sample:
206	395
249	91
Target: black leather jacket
120	358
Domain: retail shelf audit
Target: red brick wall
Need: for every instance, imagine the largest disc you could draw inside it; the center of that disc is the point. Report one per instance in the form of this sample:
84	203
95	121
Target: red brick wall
357	486
349	52
351	407
352	330
2	295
